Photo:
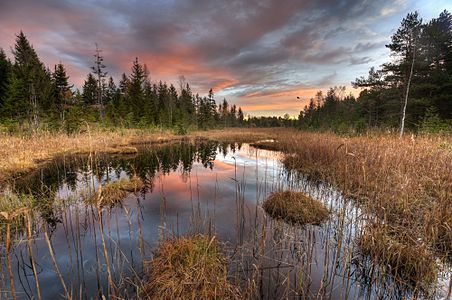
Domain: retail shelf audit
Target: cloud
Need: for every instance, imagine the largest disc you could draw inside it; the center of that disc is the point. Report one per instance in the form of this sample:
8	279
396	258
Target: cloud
243	49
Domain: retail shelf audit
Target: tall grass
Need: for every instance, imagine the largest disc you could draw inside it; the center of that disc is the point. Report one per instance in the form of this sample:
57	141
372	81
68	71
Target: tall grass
405	185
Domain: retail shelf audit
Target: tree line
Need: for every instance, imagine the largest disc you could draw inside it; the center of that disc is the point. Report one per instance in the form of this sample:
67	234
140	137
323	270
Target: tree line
33	97
413	90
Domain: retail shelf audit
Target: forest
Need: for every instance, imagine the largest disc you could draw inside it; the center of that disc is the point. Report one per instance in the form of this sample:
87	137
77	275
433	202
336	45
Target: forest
33	97
414	88
417	80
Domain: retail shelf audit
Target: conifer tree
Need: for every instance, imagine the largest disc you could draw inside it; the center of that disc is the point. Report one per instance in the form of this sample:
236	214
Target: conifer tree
5	70
33	80
61	89
90	90
135	90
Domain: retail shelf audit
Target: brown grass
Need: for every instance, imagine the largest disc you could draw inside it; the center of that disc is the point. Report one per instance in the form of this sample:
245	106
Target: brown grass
403	256
407	183
189	268
113	192
21	154
295	207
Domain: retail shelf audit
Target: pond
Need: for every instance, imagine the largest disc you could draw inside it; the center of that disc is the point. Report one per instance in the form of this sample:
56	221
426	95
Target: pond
189	187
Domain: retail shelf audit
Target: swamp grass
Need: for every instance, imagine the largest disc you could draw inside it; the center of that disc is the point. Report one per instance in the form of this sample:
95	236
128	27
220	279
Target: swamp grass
295	207
405	184
400	254
189	268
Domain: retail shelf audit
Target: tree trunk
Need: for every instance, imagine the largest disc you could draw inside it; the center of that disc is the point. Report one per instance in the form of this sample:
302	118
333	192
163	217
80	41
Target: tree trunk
402	126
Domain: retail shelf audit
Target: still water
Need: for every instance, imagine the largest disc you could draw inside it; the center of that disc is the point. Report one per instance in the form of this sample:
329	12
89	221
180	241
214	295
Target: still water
204	187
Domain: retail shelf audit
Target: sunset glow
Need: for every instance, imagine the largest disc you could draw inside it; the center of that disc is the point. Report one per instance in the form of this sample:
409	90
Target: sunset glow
261	55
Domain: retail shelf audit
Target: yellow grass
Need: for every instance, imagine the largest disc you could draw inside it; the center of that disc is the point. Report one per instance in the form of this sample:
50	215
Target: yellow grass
21	154
189	268
405	184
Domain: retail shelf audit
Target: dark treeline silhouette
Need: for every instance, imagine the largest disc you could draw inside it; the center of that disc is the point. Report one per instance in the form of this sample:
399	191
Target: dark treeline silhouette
413	90
33	97
284	121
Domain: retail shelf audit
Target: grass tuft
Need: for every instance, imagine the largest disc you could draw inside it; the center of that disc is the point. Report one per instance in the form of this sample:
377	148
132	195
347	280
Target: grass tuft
406	258
189	268
113	192
13	205
295	207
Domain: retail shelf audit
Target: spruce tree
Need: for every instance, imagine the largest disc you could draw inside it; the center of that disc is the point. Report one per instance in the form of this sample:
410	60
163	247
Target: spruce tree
5	70
61	88
90	90
34	79
135	90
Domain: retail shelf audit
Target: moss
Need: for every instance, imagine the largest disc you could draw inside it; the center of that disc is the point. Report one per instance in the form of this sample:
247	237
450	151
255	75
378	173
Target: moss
189	268
295	207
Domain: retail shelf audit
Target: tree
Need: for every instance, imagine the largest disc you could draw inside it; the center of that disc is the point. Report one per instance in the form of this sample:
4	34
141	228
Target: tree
404	44
98	70
90	90
61	88
5	70
135	91
33	81
240	117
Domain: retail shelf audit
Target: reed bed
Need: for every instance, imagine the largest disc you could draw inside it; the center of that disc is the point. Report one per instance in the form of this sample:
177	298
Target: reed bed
405	184
295	208
189	268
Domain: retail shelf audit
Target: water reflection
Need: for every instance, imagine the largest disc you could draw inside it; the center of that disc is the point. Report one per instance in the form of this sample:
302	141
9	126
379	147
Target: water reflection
208	187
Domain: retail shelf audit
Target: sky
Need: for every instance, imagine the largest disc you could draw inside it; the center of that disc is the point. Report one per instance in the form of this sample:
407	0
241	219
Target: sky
258	54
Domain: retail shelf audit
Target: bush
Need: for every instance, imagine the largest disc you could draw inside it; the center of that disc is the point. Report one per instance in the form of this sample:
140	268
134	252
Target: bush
432	123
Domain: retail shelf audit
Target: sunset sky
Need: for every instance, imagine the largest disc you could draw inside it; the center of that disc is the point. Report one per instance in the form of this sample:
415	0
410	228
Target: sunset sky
258	54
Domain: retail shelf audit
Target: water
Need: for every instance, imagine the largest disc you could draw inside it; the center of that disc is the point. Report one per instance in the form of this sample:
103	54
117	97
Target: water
204	187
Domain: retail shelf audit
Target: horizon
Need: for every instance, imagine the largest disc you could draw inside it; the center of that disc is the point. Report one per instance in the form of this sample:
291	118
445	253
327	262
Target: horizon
260	56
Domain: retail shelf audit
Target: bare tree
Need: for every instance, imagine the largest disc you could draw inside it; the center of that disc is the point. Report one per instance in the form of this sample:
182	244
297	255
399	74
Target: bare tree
98	69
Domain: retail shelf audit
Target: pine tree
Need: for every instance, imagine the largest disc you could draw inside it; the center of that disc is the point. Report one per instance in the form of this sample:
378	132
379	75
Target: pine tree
404	47
61	88
5	70
33	80
240	117
135	90
90	90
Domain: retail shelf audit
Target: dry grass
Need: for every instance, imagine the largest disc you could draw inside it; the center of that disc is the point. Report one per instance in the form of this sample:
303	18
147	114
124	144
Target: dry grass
113	192
405	184
21	154
402	255
189	268
295	207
